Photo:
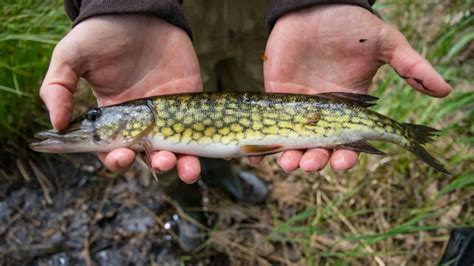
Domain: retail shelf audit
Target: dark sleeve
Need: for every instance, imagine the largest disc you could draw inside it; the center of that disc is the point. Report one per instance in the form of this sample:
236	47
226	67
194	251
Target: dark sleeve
280	7
169	10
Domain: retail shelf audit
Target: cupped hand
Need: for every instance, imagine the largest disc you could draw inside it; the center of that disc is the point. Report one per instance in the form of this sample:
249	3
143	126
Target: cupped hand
338	48
123	57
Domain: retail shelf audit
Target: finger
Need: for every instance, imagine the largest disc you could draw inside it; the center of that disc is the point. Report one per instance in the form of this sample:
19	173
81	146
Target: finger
163	161
290	159
58	88
411	66
118	160
314	159
188	168
342	160
254	160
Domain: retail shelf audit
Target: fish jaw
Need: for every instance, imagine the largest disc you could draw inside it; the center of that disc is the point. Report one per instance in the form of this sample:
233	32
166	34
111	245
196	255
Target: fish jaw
77	141
72	142
57	146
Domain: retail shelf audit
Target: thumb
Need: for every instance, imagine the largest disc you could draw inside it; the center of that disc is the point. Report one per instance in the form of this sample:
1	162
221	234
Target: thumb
410	65
58	88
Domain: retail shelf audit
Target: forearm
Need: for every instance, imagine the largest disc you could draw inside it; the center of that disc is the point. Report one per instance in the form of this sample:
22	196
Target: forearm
279	8
168	10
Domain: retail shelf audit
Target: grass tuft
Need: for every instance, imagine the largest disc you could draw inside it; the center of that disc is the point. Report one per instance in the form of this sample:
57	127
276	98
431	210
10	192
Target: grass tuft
28	32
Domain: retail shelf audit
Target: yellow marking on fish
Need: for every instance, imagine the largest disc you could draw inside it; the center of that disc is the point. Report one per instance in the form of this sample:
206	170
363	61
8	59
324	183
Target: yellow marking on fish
268	122
224	131
285	124
188	120
326	112
301	119
216	138
198	127
179	116
239	136
166	131
257	126
160	123
198	116
284	131
368	122
285	117
204	140
178	127
344	118
135	133
236	127
187	134
322	123
255	117
197	135
229	119
175	138
245	122
271	115
271	130
228	138
338	119
209	131
355	126
356	119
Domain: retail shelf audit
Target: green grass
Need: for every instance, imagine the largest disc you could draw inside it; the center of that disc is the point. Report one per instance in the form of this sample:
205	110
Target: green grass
28	32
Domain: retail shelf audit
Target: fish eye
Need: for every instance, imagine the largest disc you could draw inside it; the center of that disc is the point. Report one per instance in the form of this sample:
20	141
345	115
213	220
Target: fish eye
93	114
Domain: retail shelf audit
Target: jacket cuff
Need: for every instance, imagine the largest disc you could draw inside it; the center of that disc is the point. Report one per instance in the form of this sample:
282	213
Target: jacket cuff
169	10
279	8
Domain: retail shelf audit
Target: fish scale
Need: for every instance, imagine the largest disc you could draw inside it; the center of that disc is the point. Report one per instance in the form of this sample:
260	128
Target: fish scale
227	125
242	117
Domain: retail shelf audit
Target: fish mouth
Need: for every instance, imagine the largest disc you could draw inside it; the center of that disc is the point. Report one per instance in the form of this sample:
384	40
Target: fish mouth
60	141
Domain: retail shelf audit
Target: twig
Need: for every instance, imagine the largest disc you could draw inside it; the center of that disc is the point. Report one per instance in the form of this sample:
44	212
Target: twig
15	217
43	181
86	252
23	172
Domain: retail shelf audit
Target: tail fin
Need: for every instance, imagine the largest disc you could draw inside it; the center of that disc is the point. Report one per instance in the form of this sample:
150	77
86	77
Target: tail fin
419	135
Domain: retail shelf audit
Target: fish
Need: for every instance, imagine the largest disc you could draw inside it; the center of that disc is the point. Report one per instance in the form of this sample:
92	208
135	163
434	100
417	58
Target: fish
232	125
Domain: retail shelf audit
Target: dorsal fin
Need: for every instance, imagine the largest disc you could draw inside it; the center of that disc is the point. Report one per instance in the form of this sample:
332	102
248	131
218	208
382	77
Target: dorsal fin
363	100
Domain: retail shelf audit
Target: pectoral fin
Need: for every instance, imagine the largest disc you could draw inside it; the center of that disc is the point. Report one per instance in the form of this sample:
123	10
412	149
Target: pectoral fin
260	149
361	146
147	147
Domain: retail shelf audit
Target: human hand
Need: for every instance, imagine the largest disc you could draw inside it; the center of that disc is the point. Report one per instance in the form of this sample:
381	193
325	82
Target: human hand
123	57
338	48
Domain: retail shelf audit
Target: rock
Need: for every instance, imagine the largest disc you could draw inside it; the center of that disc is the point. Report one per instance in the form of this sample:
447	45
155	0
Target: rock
135	220
58	259
109	257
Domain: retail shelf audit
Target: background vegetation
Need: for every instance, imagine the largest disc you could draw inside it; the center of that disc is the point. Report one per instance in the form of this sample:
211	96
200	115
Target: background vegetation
28	32
390	210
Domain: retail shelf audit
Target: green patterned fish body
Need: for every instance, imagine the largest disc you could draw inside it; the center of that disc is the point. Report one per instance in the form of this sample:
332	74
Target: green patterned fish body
227	125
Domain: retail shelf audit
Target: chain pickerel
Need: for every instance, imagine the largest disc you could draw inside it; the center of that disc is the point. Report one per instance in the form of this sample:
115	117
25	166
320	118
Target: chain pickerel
228	125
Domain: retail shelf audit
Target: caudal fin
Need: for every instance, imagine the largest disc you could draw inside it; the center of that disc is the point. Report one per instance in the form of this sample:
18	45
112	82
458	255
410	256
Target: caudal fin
419	135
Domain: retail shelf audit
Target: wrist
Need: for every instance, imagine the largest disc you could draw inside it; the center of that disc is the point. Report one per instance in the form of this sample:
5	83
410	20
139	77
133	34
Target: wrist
168	10
279	8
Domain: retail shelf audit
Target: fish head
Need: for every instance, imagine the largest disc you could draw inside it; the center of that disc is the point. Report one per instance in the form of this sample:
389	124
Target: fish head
99	130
